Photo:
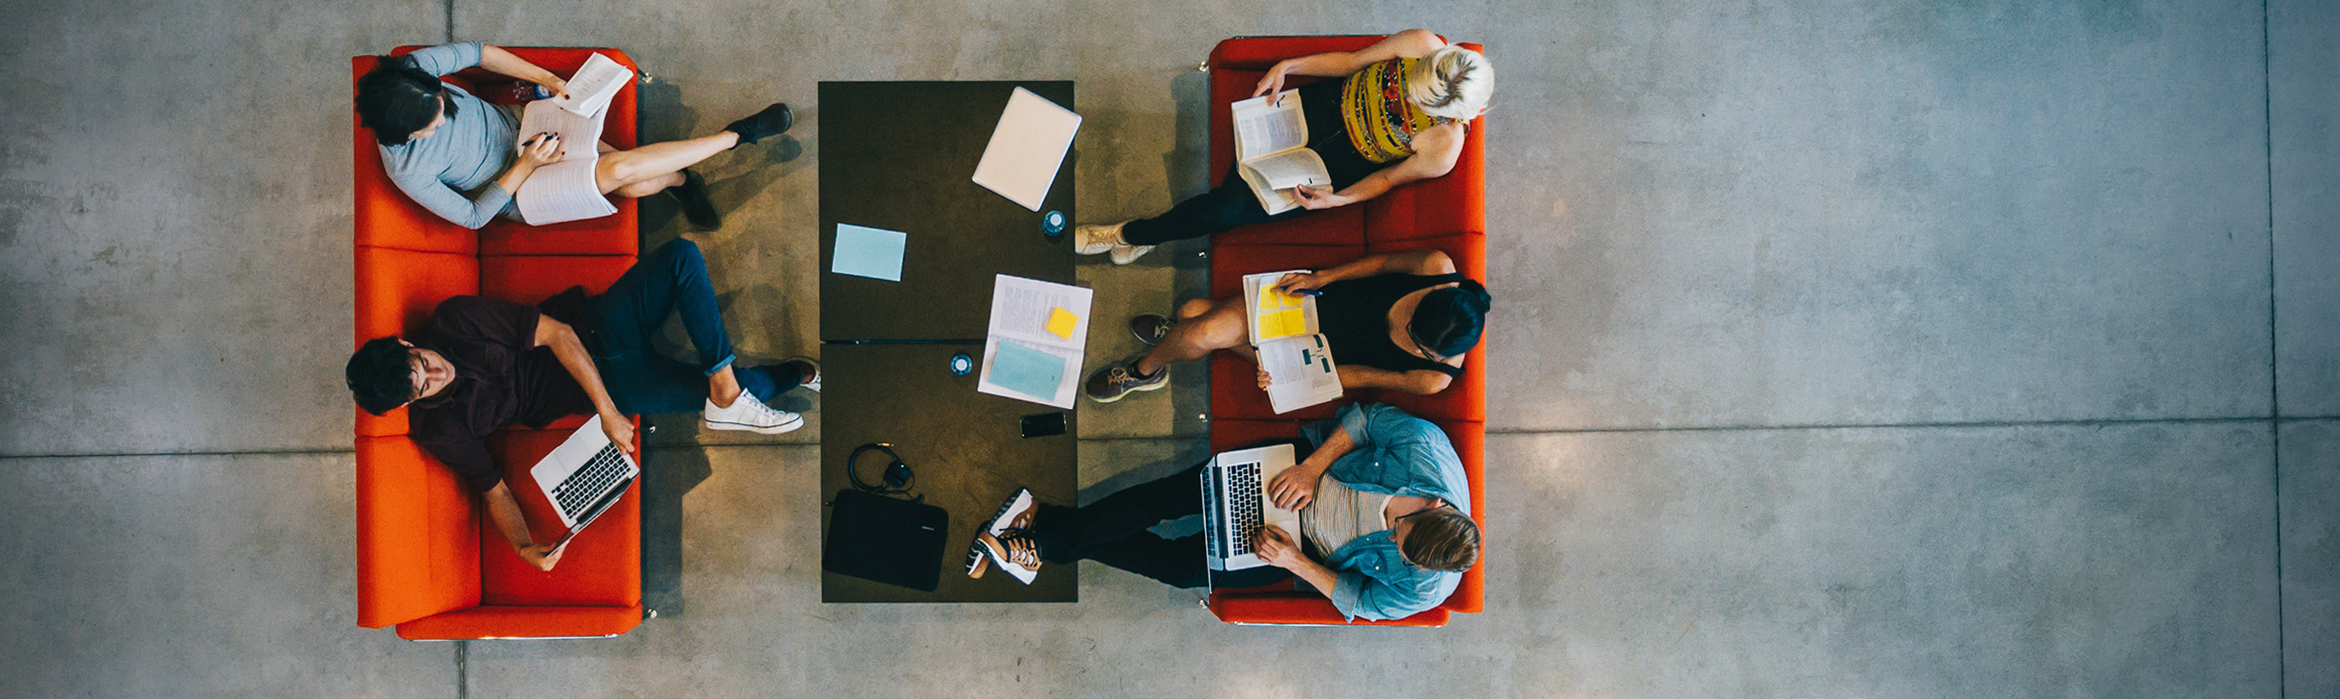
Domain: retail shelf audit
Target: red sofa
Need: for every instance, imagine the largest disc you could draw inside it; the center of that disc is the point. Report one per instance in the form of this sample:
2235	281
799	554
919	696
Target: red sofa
428	560
1448	213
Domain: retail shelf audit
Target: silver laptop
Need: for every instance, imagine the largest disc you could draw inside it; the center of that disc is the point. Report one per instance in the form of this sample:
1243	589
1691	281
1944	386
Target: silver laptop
583	477
1236	504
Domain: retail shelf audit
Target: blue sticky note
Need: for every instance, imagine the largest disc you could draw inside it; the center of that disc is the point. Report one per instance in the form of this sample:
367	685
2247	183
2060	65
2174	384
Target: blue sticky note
869	252
1026	370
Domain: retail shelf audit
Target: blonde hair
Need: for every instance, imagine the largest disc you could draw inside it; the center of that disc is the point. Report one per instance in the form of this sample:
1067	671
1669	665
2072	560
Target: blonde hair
1452	83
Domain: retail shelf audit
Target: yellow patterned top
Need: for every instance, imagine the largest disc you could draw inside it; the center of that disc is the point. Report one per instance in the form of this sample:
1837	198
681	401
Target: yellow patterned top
1381	120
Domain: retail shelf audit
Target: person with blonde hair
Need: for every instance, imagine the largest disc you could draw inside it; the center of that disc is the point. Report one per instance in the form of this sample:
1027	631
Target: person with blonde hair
1400	115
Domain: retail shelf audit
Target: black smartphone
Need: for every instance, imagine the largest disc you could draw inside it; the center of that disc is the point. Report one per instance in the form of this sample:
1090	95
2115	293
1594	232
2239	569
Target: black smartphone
1043	425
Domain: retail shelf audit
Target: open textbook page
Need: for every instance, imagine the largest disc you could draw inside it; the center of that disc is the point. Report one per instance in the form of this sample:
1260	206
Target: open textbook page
595	84
1271	150
565	190
1292	348
1038	337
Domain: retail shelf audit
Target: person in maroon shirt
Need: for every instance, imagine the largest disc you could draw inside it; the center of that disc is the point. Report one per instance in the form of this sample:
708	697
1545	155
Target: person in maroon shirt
480	364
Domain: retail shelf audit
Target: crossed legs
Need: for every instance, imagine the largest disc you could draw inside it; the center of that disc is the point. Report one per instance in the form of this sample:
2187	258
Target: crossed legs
651	169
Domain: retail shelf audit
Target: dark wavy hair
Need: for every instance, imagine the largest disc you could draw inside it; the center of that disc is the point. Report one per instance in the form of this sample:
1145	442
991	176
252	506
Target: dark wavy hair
379	376
396	99
1448	321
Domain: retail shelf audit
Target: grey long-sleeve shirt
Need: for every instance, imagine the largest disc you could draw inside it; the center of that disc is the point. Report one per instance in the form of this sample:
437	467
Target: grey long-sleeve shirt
452	173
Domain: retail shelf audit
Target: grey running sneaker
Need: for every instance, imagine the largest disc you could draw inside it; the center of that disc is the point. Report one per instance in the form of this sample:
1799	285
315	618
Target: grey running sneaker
1111	383
1151	328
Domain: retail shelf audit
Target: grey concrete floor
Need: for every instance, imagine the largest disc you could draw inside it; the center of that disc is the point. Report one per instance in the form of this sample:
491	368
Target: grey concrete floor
1845	349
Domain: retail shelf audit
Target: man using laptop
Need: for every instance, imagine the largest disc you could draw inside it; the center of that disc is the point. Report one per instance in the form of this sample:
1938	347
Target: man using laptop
1386	537
480	364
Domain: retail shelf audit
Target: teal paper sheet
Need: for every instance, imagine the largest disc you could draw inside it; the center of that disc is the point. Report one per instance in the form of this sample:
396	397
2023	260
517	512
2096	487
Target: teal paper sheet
869	252
1026	370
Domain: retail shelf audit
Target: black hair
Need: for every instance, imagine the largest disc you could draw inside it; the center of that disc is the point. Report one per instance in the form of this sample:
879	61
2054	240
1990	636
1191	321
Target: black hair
380	377
1448	321
396	99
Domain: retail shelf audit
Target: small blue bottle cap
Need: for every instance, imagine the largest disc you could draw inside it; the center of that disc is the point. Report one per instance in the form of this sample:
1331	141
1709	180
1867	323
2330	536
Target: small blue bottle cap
1052	224
961	364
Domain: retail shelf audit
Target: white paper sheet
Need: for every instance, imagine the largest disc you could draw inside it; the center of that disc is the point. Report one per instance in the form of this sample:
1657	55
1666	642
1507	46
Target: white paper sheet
1020	309
1027	148
1264	125
595	84
1300	373
565	190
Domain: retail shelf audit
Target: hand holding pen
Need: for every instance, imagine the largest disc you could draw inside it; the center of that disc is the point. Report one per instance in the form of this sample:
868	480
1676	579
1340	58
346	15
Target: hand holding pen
1303	283
541	149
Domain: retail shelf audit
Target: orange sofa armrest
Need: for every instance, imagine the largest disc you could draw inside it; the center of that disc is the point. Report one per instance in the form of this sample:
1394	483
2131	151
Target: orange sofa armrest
494	621
417	541
1294	607
1262	52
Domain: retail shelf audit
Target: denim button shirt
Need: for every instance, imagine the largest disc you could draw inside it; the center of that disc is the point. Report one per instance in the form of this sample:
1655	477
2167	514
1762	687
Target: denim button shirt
1396	454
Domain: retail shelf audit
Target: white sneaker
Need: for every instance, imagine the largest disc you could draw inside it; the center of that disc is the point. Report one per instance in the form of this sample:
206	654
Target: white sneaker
751	415
811	382
1125	254
1094	239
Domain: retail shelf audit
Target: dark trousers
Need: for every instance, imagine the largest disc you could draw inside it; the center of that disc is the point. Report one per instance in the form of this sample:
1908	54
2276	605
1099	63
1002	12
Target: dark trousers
1233	204
1114	531
670	279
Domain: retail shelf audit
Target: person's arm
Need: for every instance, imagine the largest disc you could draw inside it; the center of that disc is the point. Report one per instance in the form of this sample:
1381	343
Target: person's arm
471	212
1436	150
1296	486
504	510
1420	382
1411	43
1404	262
571	351
1276	547
502	62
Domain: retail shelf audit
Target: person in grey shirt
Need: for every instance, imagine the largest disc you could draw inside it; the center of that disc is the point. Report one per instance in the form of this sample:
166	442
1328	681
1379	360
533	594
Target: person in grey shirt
462	158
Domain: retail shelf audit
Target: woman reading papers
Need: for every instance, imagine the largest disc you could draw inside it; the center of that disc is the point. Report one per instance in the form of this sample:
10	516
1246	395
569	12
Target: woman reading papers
463	158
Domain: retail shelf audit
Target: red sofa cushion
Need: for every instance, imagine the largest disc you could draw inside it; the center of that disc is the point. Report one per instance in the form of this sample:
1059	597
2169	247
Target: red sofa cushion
416	528
532	279
602	567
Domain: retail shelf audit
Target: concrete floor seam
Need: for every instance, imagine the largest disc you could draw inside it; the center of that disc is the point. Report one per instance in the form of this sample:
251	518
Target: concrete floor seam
2274	346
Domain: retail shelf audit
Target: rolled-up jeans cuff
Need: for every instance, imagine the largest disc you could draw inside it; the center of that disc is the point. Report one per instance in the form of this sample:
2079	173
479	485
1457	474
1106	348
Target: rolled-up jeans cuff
727	360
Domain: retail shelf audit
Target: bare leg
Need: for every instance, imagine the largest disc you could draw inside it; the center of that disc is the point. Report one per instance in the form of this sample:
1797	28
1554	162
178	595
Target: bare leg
723	387
657	160
1193	307
651	186
1220	327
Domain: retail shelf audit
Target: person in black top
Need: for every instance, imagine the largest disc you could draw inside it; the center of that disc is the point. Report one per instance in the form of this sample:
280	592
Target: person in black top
1399	321
480	364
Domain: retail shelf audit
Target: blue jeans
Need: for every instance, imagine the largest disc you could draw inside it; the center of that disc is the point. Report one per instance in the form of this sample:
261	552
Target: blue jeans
671	279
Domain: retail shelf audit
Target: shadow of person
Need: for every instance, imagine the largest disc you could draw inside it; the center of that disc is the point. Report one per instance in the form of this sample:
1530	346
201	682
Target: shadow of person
668	473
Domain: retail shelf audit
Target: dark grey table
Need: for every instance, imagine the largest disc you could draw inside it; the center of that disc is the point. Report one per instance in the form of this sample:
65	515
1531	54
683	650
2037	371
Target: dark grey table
898	156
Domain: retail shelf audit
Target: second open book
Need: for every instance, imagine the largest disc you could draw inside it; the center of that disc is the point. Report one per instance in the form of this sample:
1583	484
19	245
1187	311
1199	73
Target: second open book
1292	349
1271	150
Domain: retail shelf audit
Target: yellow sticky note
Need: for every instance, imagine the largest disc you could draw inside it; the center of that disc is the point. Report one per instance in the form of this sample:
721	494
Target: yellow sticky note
1062	323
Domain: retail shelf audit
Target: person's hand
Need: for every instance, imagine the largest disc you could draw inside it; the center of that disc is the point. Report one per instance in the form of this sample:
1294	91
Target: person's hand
543	556
558	87
1295	487
1297	282
621	433
1271	544
1274	80
1264	379
1314	199
540	150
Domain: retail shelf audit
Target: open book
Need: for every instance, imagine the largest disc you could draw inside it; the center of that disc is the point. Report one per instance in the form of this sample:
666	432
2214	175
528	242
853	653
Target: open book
1284	328
1038	336
564	190
1271	150
594	85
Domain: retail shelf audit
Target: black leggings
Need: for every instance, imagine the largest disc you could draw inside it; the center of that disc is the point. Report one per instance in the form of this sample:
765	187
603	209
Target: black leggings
1114	531
1233	204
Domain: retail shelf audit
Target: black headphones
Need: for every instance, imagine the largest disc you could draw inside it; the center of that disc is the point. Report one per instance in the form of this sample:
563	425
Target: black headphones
898	477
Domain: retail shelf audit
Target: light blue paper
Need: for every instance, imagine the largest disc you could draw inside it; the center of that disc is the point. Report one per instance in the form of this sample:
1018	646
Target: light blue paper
1026	370
869	252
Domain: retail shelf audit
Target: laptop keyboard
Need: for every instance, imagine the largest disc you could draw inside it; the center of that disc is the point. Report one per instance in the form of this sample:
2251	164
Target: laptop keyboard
1243	502
586	486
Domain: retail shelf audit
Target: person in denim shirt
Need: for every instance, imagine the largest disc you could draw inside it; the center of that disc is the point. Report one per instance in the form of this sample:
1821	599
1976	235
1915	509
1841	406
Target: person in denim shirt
1386	537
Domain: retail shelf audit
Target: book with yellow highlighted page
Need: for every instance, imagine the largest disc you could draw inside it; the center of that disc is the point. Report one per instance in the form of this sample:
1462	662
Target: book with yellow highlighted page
1291	348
